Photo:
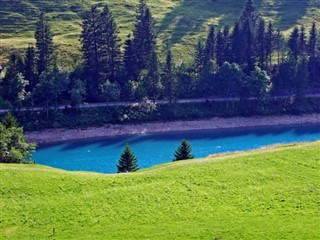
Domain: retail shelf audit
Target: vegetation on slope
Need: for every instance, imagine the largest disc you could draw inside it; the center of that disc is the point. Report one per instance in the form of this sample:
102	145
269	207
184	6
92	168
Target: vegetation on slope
180	23
265	194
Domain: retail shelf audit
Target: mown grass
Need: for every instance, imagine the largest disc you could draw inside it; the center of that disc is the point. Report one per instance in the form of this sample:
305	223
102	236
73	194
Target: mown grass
180	23
264	194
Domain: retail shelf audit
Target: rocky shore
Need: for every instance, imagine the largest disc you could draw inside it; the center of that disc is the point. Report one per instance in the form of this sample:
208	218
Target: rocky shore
54	135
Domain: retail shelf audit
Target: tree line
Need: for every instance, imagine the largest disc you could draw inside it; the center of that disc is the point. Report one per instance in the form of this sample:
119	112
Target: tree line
250	59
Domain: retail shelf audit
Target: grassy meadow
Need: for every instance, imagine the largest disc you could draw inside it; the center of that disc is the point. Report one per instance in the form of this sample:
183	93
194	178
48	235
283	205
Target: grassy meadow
180	23
263	194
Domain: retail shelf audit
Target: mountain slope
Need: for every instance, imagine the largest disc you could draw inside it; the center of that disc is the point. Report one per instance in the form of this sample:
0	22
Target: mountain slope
263	194
179	22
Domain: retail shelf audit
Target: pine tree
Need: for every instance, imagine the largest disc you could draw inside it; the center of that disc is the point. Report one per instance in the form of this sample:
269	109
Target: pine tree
220	49
250	15
261	45
109	44
127	161
30	68
144	38
293	44
209	49
237	53
312	52
199	59
269	42
44	44
128	59
152	82
168	79
183	152
302	42
100	46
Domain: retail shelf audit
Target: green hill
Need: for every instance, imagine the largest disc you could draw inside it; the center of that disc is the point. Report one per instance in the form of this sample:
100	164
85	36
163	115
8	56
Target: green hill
179	22
264	194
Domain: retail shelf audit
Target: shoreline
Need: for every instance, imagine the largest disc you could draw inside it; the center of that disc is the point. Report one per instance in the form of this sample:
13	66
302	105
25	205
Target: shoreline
113	130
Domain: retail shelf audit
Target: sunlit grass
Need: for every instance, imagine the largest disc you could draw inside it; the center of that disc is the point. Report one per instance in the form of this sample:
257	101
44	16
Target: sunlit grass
263	194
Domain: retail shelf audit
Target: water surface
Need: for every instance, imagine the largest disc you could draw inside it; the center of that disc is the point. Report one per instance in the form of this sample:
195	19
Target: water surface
102	155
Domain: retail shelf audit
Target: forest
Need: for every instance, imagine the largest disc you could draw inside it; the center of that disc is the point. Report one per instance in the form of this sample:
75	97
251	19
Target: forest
251	60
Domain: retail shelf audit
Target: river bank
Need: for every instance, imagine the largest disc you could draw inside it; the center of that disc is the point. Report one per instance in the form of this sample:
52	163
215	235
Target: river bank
55	135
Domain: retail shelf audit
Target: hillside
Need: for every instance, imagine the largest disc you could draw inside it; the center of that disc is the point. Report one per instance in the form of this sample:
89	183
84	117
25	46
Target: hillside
180	22
263	194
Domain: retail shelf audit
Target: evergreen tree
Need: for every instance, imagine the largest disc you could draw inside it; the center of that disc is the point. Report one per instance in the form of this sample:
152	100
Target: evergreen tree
30	68
227	43
169	79
269	42
261	45
100	47
302	42
44	44
293	44
109	44
144	38
209	49
127	161
248	38
199	59
312	52
15	65
183	152
250	15
237	45
151	81
128	58
220	49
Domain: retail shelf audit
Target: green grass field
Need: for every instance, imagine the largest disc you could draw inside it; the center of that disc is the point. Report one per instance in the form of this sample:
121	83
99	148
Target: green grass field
263	194
180	23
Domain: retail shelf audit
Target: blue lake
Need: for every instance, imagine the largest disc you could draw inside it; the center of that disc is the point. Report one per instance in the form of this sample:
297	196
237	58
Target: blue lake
101	155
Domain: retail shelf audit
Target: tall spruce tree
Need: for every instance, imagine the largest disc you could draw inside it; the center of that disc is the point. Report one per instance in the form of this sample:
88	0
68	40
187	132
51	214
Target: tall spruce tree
128	59
100	47
151	81
261	45
269	44
293	44
168	79
312	52
109	44
183	152
30	68
209	49
237	53
144	38
220	48
44	44
127	161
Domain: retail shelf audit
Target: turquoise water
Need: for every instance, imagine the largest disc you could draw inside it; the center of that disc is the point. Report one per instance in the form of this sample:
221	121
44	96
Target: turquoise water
101	155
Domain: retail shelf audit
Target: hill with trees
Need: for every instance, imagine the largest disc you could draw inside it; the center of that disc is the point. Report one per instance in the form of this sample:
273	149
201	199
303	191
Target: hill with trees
179	23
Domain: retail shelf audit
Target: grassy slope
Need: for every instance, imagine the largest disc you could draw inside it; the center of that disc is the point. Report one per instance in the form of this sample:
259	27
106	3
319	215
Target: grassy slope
180	22
264	194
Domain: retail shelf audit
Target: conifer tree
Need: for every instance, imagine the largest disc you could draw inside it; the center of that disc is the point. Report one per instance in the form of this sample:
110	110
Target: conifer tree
199	59
100	46
209	49
44	44
128	58
144	38
269	42
220	49
168	79
293	44
183	152
152	81
30	68
237	45
312	52
261	45
127	161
